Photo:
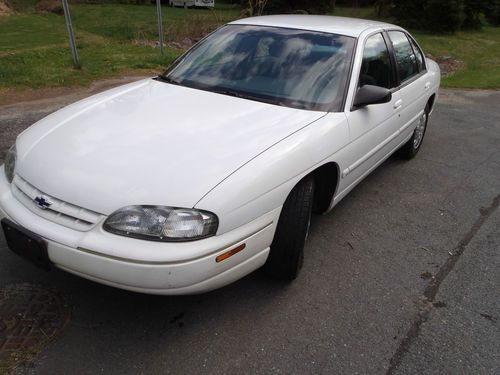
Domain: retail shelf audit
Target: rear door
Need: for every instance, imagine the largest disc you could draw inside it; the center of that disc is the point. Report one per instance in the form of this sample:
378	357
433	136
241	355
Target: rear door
413	79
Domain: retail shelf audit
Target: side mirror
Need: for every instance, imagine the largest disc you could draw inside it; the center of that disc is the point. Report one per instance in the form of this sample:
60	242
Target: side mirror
369	94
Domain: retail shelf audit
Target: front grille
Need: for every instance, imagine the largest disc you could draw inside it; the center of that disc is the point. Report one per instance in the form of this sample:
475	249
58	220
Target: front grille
60	212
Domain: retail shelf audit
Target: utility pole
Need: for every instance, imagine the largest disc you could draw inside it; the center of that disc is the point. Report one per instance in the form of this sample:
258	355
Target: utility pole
67	16
160	24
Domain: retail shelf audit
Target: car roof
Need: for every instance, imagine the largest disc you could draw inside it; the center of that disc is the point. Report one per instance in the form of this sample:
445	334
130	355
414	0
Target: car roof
331	24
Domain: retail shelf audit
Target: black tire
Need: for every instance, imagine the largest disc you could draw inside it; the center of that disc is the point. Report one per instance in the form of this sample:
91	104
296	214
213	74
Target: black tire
410	149
287	249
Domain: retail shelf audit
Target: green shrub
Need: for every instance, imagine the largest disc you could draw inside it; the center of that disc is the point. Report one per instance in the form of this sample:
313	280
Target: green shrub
21	5
49	6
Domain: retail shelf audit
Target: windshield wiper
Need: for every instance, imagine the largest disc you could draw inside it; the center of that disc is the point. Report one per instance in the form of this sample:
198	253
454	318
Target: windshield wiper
236	94
166	79
241	95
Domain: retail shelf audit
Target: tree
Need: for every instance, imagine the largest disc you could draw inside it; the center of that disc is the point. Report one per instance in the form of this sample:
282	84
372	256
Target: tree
492	11
256	7
409	13
472	11
311	6
433	15
444	16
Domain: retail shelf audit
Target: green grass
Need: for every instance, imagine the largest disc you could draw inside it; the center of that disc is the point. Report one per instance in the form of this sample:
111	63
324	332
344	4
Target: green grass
126	22
52	67
34	48
478	50
29	31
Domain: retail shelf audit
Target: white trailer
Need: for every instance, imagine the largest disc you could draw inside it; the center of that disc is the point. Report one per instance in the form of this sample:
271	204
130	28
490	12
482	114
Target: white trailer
192	3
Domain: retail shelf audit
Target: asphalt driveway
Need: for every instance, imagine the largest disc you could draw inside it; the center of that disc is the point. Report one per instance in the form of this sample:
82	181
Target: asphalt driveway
402	277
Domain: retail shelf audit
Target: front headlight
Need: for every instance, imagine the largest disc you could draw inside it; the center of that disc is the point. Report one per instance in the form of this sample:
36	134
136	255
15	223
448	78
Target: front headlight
159	223
10	163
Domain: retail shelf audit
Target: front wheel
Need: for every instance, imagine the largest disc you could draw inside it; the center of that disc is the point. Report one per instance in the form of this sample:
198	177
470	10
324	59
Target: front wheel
411	148
287	249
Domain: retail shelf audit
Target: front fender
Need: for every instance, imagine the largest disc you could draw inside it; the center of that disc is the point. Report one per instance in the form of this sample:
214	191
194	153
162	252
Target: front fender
263	183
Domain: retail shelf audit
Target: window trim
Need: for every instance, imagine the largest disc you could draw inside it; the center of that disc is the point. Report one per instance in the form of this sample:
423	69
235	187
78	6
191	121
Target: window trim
412	39
394	64
327	107
402	84
349	78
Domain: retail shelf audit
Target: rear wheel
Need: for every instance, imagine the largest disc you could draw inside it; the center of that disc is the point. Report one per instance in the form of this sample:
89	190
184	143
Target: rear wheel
287	249
411	148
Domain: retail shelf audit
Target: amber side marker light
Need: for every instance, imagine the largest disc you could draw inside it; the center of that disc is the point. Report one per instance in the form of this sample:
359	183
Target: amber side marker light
230	253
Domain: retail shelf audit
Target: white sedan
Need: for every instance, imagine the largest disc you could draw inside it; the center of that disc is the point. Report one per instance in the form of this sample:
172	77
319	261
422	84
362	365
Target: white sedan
188	181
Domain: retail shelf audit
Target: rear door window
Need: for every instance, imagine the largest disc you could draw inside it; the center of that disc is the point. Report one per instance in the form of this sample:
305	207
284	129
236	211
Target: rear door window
418	53
406	60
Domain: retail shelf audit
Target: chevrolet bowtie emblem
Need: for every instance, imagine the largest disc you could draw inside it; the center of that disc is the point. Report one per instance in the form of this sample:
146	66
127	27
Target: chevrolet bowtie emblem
42	202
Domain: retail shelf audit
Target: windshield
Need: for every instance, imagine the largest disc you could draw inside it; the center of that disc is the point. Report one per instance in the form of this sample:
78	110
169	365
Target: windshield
294	68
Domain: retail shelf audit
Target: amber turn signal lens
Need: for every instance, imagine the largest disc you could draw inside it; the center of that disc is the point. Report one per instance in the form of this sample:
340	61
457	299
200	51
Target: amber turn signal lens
230	253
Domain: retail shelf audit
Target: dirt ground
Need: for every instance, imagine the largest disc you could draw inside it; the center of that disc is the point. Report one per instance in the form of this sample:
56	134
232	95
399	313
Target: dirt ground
4	9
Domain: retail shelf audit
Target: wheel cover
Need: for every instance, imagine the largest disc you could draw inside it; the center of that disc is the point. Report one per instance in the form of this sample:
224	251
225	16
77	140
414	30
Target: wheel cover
419	131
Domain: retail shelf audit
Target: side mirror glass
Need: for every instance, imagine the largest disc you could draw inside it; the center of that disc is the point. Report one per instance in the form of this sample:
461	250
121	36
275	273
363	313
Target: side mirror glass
369	94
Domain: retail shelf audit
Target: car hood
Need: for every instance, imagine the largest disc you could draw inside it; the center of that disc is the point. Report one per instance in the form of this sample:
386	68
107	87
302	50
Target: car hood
149	143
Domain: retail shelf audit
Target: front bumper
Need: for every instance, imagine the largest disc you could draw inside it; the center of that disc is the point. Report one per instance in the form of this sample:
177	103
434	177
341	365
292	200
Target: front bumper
146	266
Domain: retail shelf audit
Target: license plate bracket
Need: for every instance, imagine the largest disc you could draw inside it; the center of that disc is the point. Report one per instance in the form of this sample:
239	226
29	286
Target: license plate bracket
26	244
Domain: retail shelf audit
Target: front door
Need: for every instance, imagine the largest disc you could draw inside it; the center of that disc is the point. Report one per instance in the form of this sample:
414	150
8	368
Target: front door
373	128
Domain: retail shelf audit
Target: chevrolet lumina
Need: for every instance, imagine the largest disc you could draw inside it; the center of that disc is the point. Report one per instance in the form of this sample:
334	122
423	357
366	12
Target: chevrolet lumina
190	180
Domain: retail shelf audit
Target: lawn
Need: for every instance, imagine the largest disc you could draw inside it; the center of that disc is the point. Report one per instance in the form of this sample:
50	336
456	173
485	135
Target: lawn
478	50
111	39
114	39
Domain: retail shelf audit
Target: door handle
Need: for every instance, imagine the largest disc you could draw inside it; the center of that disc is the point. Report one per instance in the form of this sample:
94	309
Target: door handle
398	104
427	85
